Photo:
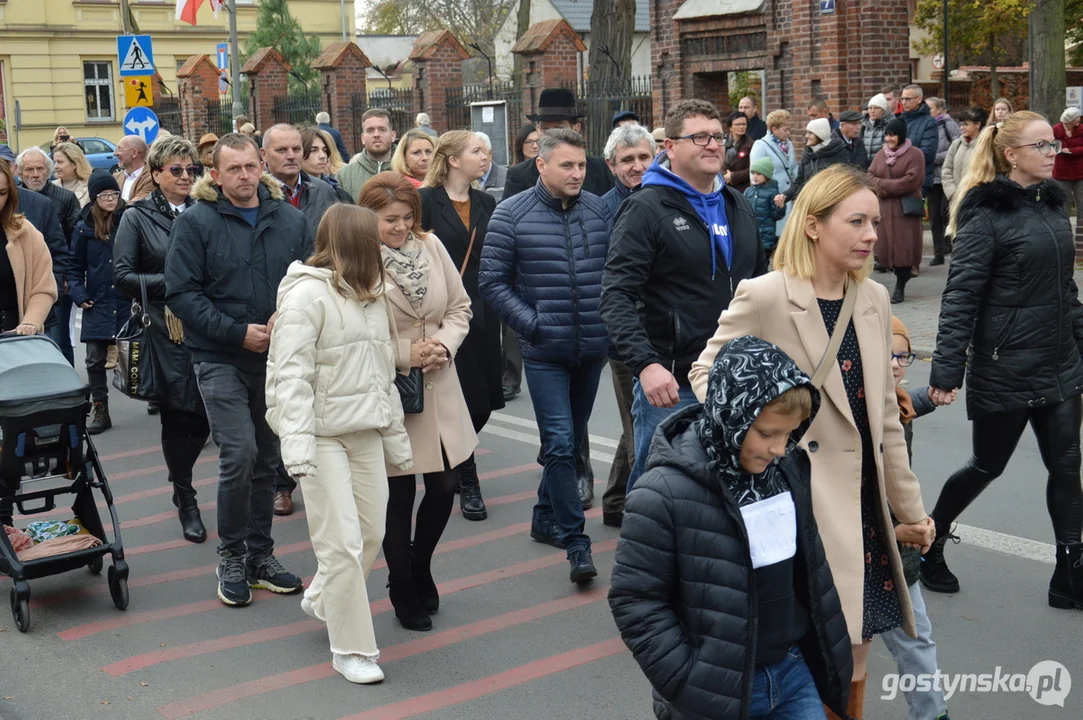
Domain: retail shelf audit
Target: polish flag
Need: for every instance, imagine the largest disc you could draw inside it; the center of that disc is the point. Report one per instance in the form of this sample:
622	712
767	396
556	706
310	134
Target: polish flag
187	9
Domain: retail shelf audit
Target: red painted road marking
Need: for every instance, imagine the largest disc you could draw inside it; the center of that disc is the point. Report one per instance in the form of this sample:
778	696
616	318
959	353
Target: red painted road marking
233	693
494	683
132	619
140	662
129	453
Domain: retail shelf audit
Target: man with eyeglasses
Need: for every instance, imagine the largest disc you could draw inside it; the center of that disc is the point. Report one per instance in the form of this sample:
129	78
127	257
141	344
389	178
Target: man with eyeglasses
679	247
134	181
921	130
227	255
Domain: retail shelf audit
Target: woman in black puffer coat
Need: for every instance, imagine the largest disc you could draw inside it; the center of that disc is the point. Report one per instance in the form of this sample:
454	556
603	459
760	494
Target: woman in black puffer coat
1011	321
704	620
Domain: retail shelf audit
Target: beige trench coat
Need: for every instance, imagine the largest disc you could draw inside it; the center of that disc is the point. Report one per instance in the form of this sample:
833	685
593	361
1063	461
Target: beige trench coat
445	314
782	309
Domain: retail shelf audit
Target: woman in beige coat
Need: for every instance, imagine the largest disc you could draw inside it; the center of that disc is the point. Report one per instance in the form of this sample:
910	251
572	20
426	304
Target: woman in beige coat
860	468
432	318
27	285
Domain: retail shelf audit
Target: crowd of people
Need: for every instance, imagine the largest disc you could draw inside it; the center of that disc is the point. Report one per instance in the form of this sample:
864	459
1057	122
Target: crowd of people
344	324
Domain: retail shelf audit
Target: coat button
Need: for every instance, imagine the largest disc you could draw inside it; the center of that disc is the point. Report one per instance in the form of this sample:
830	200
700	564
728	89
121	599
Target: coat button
428	386
417	323
813	446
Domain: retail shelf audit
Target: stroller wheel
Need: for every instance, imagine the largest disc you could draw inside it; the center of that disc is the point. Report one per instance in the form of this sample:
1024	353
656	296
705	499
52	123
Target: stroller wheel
118	588
95	565
20	606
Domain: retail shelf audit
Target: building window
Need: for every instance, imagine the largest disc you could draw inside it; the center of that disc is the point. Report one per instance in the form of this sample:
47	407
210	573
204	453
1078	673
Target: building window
98	89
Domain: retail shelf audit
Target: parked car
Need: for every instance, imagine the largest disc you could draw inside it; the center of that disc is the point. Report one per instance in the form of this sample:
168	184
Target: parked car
99	152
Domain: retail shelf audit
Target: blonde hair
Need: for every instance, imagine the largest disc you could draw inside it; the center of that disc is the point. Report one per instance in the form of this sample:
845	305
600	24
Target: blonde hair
452	144
795	402
348	244
75	156
777	118
992	112
796	253
398	160
987	159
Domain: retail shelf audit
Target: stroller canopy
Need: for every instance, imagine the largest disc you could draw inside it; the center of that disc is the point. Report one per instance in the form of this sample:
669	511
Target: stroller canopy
35	376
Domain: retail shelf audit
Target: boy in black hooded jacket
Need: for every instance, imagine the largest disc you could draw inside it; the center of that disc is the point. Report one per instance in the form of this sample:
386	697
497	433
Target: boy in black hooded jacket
721	588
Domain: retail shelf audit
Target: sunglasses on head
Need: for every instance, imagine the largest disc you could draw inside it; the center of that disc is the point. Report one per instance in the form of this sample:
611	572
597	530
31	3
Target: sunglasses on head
193	171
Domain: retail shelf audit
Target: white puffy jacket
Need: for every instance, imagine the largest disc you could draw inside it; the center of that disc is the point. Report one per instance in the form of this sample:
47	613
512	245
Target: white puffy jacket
331	371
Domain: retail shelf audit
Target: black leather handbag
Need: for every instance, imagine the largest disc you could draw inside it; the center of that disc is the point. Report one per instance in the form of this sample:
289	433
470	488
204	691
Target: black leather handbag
411	391
913	207
136	374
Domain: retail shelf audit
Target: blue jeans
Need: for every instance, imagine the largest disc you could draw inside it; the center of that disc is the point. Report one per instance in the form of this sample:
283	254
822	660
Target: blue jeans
563	399
645	420
236	405
61	332
785	691
917	657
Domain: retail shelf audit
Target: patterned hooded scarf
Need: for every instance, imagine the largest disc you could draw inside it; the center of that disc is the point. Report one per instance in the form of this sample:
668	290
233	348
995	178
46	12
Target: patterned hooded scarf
746	375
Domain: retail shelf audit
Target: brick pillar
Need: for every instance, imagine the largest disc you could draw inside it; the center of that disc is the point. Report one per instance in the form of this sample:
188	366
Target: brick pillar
438	62
666	76
268	79
550	52
342	66
197	82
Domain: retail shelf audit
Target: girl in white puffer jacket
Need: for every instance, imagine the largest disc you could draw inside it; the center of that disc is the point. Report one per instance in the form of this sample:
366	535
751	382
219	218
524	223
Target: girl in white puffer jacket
331	398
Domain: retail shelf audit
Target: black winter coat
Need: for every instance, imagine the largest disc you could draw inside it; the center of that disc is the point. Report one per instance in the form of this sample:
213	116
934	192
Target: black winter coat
541	270
1010	317
813	161
139	253
478	358
682	593
922	132
222	274
67	207
660	301
524	176
91	279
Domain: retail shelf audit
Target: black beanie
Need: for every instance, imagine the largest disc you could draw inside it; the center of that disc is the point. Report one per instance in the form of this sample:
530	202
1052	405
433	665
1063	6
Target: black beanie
896	127
100	182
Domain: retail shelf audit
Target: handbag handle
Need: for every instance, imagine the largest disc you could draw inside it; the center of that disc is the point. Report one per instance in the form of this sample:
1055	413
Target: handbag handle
469	250
832	351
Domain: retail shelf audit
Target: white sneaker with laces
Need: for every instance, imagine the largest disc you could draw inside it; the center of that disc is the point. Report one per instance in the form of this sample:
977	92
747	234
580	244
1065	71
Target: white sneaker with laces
309	609
358	669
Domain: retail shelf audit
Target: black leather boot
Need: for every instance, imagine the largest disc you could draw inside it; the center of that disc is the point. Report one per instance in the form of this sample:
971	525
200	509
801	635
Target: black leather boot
1066	587
408	608
470	501
101	420
935	575
180	457
424	585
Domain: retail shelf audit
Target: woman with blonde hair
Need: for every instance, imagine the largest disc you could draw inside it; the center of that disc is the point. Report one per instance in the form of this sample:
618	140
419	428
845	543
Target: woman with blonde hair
1012	325
458	213
331	398
821	309
1002	108
413	156
321	160
777	147
72	170
431	313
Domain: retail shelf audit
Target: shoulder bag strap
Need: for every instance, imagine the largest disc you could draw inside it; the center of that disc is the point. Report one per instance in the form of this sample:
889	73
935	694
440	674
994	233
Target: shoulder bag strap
469	250
832	351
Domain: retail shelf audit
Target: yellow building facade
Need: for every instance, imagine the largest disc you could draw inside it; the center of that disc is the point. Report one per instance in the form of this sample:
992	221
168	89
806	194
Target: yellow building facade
58	58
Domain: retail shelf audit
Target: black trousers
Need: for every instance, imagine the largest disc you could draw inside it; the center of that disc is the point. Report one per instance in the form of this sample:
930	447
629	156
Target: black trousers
995	439
432	517
938	219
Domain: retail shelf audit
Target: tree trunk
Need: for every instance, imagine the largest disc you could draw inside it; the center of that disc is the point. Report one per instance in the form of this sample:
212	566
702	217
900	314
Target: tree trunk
522	24
1047	74
612	27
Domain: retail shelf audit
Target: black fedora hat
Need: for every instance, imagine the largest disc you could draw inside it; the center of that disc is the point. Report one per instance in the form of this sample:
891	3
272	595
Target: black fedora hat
555	105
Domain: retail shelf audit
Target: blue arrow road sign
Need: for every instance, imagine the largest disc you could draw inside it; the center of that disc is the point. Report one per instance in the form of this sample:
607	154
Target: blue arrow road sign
142	122
135	55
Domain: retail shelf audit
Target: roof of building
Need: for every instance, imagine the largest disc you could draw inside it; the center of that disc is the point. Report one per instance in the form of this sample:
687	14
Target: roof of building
577	13
539	35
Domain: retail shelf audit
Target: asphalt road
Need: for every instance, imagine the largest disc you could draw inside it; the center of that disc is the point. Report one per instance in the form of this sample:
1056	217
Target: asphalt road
513	639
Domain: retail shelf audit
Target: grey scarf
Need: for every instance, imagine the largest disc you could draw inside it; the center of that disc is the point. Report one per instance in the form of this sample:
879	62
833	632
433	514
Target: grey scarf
408	266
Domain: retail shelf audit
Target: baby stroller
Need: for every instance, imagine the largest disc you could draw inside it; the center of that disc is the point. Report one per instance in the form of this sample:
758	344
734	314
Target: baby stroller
45	452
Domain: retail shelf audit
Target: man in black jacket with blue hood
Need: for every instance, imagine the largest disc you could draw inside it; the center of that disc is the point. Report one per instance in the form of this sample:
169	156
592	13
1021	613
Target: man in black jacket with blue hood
721	588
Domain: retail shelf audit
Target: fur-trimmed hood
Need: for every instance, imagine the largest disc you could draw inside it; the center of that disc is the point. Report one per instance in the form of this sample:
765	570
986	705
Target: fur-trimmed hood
1005	196
206	188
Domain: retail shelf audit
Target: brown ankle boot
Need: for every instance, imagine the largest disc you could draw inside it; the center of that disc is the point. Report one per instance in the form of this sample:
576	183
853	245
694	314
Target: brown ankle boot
856	709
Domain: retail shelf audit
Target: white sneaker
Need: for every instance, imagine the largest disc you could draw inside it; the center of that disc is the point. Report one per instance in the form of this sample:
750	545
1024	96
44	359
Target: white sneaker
358	669
309	609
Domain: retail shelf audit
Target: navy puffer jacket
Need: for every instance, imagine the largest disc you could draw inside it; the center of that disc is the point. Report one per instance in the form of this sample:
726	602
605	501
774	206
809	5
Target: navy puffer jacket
91	279
541	270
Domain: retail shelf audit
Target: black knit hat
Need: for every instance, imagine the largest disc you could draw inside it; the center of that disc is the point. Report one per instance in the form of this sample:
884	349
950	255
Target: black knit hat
896	127
100	182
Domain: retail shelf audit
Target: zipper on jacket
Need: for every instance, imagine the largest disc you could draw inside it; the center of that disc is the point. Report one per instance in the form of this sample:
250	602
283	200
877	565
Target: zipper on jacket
1060	294
1002	336
753	602
575	285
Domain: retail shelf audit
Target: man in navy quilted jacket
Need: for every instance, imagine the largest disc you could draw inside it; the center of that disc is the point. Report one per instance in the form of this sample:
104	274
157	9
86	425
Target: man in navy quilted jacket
541	270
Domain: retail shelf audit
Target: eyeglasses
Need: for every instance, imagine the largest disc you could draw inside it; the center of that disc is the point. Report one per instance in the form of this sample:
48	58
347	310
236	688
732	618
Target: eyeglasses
530	142
703	139
1045	147
905	359
193	171
108	195
912	97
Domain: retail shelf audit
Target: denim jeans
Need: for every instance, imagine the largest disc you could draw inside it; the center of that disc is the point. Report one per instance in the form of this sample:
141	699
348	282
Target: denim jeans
785	691
61	332
645	420
236	406
563	399
917	657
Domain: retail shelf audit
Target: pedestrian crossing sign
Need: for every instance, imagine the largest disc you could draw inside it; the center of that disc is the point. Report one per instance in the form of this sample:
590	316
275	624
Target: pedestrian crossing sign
135	55
138	92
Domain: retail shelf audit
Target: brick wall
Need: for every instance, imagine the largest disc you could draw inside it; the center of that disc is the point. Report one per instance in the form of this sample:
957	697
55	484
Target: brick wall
268	78
438	65
197	82
550	59
342	67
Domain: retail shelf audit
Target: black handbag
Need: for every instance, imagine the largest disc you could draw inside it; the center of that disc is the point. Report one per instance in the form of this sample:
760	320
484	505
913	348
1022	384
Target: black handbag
411	391
136	374
913	207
